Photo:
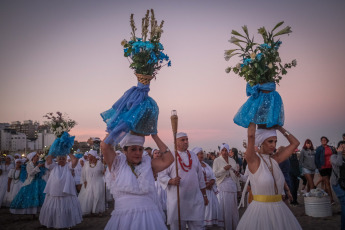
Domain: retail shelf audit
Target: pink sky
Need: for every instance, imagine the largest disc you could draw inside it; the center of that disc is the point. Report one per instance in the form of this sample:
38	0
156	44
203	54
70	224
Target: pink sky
66	56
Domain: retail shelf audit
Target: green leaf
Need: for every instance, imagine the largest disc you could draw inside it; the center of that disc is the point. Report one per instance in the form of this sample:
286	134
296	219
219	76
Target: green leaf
286	30
245	29
279	24
234	32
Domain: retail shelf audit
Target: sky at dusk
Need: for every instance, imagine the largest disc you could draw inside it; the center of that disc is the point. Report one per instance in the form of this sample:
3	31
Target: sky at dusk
66	56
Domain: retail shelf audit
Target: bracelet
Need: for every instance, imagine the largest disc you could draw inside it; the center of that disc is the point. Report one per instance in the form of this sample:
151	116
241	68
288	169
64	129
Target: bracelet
286	133
167	150
205	195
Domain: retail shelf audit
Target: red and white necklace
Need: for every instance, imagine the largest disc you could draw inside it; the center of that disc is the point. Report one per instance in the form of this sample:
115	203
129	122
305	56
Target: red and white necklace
185	167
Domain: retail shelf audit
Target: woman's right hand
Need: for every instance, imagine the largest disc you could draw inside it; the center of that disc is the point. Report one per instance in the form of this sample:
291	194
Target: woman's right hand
85	183
227	167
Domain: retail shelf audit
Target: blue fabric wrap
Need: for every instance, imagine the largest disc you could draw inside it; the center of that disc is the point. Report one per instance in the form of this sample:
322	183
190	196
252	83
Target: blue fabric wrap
62	145
31	195
23	173
134	111
261	108
78	155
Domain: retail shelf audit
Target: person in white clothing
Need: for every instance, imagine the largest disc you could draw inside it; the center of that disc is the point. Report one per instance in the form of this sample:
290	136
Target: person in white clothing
4	170
162	193
192	188
225	170
92	193
61	207
130	179
213	214
267	211
14	183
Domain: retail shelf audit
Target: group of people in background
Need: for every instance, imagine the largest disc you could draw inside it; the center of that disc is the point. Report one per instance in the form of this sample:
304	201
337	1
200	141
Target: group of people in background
144	183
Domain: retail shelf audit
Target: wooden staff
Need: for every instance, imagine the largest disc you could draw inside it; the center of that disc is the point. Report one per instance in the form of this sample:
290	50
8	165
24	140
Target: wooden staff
174	122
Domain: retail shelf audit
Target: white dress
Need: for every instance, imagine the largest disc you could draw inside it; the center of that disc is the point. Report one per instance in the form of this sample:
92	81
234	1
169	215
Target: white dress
92	198
267	215
61	208
213	215
136	201
15	186
3	180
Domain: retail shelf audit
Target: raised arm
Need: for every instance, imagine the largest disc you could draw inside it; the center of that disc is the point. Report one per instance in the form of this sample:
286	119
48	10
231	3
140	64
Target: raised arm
163	162
108	153
74	160
294	143
252	159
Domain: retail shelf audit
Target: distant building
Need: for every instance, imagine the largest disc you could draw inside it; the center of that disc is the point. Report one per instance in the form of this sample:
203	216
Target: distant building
28	127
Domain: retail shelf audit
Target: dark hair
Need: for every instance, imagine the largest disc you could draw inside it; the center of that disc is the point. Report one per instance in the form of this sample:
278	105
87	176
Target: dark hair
308	141
125	148
235	151
343	134
325	138
148	148
340	142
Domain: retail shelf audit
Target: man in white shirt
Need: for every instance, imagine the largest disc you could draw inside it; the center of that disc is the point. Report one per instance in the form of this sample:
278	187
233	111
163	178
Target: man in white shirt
192	188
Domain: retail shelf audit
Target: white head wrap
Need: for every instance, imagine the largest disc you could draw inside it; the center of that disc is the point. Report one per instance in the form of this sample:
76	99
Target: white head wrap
11	157
181	134
16	160
145	153
262	134
130	140
31	155
197	150
17	154
224	146
93	153
86	153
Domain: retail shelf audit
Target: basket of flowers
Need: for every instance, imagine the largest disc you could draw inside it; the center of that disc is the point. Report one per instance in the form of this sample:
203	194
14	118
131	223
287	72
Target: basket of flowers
261	67
135	111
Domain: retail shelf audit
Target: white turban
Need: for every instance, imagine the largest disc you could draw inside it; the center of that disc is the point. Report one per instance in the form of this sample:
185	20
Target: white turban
31	155
20	160
11	157
197	150
262	134
93	153
130	140
17	154
224	146
181	134
86	153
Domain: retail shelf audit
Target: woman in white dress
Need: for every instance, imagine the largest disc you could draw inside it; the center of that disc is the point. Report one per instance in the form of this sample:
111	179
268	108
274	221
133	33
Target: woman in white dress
213	215
227	179
131	182
162	193
5	168
61	208
14	183
92	193
267	211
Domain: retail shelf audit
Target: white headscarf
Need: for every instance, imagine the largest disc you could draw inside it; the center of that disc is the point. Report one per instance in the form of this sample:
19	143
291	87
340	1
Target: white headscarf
11	157
197	150
31	155
262	134
16	160
17	154
181	134
226	146
130	140
93	153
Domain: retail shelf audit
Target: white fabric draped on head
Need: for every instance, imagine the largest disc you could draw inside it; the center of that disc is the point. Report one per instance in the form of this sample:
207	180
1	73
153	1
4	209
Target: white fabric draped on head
130	140
197	150
226	146
93	153
181	134
17	154
18	160
11	157
262	134
31	155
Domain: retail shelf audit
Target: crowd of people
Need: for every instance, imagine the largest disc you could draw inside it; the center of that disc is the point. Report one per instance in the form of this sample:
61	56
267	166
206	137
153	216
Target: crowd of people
152	189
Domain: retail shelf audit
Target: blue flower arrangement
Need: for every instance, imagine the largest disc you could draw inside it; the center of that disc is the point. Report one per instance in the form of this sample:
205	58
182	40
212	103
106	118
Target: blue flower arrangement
260	63
146	53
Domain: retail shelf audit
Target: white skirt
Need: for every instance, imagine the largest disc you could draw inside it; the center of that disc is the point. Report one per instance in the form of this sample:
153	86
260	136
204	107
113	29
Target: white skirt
132	213
92	200
213	214
268	216
60	212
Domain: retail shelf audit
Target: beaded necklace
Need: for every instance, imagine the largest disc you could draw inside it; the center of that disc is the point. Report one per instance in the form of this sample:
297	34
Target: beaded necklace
133	169
93	165
270	168
16	179
185	167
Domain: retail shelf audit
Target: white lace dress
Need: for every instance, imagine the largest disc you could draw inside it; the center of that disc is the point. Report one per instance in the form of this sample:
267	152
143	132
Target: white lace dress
4	179
267	215
15	186
136	202
61	208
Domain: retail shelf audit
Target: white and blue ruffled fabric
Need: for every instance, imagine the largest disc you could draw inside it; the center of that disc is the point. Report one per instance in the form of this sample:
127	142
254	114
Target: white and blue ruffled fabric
261	108
62	145
134	111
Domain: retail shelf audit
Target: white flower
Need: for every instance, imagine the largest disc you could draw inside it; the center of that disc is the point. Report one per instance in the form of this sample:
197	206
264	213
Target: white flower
227	70
294	63
270	65
253	55
124	42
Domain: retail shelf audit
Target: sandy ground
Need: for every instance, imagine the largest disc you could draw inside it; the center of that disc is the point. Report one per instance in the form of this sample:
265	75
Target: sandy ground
27	222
